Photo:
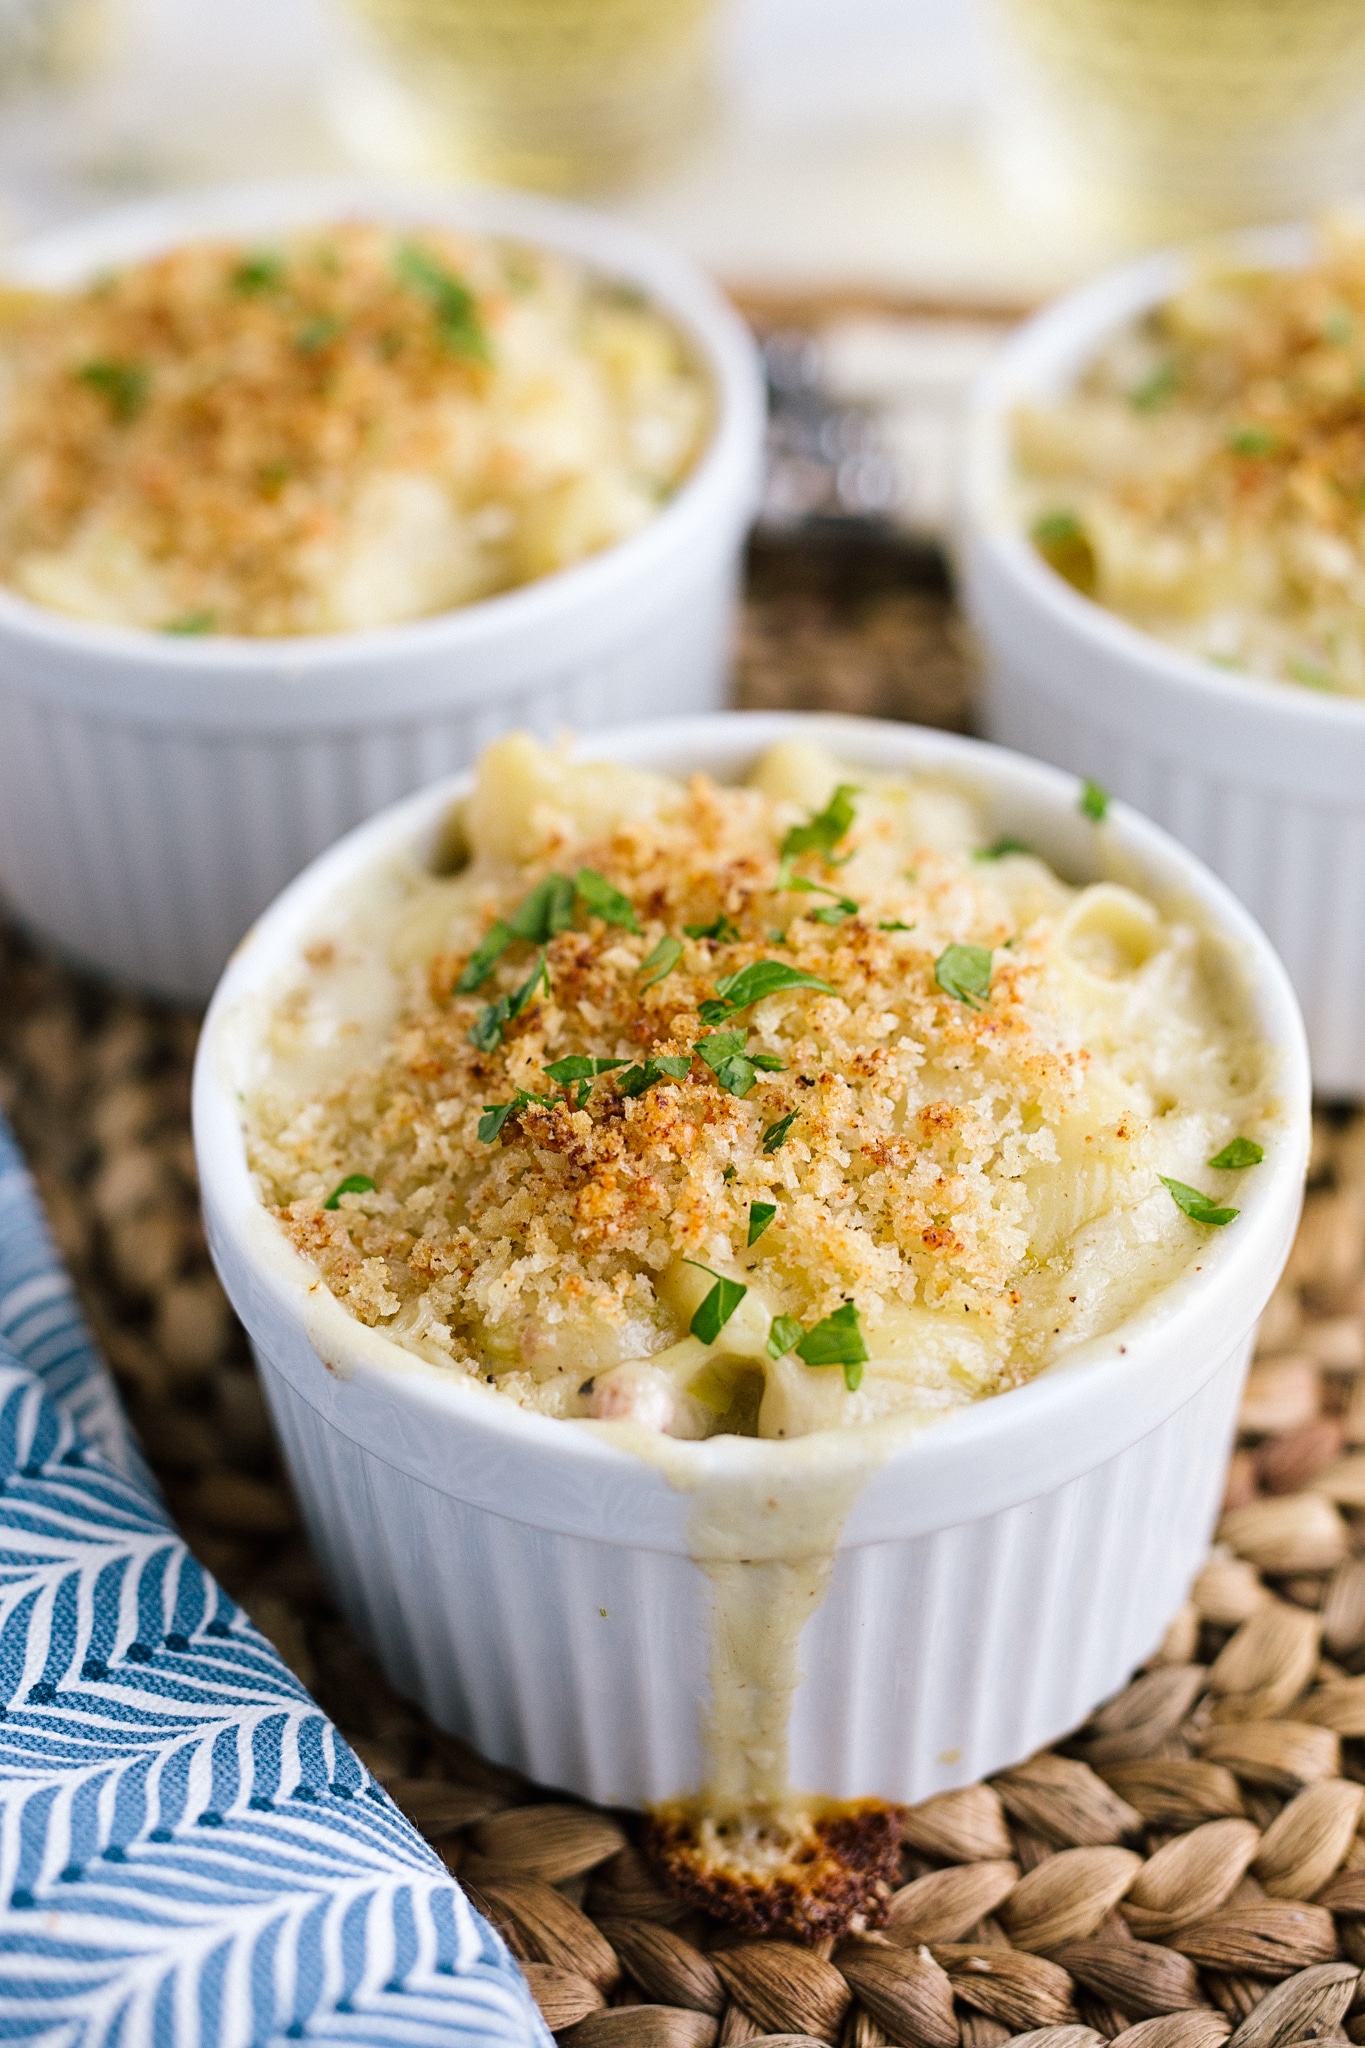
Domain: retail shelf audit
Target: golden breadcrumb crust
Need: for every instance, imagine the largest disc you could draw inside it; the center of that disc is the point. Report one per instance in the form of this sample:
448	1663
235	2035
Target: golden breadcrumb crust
900	1181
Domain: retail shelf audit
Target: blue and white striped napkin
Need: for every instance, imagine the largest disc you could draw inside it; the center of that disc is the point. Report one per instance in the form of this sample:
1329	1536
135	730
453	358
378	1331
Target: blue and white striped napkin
190	1854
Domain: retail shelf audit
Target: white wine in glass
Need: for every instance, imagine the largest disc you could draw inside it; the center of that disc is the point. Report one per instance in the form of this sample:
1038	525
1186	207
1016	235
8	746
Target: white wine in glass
1177	116
563	95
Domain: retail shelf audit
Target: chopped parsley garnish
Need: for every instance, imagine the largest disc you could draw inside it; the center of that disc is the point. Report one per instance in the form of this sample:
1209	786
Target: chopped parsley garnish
547	910
826	913
319	334
822	833
354	1184
1255	442
784	1336
720	929
1199	1208
965	972
837	1340
580	1066
257	274
1006	843
495	1114
775	1137
1237	1154
1156	390
190	623
894	924
454	304
751	984
718	1307
1310	673
1065	546
485	957
485	1033
661	961
597	895
125	387
761	1215
1093	801
734	1068
660	1066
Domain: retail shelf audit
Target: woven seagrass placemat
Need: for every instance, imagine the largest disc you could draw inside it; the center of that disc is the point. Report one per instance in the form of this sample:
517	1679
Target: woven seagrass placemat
1189	1865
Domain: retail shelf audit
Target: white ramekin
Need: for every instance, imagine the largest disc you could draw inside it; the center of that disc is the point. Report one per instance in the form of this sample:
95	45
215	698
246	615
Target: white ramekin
534	1583
156	792
1264	781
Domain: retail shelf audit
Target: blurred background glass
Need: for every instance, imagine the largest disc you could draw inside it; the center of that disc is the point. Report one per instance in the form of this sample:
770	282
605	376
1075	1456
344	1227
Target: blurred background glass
562	95
1169	117
49	42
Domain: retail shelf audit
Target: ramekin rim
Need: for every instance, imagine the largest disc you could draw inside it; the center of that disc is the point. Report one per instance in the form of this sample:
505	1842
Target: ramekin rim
710	323
229	1195
1093	311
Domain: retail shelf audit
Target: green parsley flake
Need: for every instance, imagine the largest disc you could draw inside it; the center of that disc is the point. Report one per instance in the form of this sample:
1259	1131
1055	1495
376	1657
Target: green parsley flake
965	973
485	1033
662	1066
454	304
257	274
661	961
580	1066
1093	801
720	929
1199	1208
827	913
784	1334
894	924
1006	843
761	1215
734	1068
354	1184
319	334
1253	442
1310	673
1067	548
597	896
495	1114
191	623
775	1137
1238	1154
1157	390
718	1307
837	1340
125	387
822	833
751	984
485	957
547	910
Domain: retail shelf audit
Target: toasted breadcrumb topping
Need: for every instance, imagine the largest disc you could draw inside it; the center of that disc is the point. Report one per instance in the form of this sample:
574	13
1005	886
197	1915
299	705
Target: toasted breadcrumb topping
978	1177
342	428
1206	476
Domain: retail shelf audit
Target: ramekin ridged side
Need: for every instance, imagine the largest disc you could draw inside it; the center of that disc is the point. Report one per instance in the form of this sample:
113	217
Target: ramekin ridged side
534	1583
1264	782
156	793
584	1663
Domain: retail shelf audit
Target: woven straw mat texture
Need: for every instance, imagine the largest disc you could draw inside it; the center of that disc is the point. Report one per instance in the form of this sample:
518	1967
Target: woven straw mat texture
1188	1867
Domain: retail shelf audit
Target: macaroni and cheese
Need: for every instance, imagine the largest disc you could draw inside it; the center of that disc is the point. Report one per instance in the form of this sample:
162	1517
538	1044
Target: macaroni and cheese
759	1109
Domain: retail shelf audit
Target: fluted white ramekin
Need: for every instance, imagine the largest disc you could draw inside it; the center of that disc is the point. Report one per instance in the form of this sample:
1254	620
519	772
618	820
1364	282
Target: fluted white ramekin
536	1585
1264	781
157	792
